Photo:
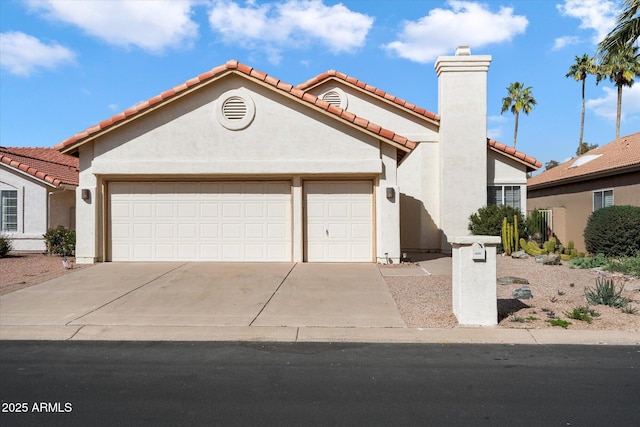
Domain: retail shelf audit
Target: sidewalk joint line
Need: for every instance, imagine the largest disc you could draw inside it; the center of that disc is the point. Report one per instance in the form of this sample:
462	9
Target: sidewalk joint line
75	333
273	294
125	294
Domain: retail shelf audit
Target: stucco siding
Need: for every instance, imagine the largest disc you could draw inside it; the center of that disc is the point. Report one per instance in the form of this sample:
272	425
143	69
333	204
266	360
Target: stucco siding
572	204
32	210
380	112
419	180
284	137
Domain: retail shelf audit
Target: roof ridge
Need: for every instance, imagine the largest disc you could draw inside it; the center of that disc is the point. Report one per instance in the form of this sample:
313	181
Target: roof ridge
368	88
236	66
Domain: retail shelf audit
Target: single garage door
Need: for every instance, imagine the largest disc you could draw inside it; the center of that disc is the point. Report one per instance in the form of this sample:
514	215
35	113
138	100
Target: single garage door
200	221
339	226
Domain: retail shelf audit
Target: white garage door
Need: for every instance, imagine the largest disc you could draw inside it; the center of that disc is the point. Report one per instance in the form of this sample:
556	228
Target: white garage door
338	221
200	221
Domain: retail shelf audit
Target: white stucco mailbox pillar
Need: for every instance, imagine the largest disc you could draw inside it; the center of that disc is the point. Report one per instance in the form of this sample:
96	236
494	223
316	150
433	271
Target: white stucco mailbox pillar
474	280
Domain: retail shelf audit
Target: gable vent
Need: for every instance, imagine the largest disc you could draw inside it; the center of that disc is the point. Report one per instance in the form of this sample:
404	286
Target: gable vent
333	98
234	108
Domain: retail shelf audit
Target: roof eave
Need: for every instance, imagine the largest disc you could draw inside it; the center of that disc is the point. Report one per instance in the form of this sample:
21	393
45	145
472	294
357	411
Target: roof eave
71	147
47	180
387	98
131	113
530	167
585	177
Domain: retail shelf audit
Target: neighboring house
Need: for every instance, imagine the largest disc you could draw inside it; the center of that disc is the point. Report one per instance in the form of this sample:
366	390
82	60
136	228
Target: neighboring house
605	176
37	192
236	165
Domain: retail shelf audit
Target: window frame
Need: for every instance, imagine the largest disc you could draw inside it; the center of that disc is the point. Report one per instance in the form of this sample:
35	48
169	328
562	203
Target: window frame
4	215
603	199
491	189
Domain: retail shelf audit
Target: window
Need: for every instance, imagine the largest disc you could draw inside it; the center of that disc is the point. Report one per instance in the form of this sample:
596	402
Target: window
9	210
504	195
602	199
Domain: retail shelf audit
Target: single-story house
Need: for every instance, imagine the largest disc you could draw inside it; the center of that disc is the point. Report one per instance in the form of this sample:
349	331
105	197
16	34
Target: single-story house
605	176
237	165
37	192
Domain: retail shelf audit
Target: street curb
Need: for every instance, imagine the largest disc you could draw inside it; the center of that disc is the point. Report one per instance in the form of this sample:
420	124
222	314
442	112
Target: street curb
459	335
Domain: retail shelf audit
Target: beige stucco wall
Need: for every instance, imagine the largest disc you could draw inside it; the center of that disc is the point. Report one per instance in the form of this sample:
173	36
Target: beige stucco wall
285	140
33	208
572	204
379	111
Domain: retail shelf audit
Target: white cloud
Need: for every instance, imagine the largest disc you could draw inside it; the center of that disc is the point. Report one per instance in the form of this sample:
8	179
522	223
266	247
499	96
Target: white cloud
564	41
597	15
22	54
272	27
151	25
465	23
605	106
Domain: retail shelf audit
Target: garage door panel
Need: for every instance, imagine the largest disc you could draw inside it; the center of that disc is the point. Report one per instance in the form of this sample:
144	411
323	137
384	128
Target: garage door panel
338	221
208	221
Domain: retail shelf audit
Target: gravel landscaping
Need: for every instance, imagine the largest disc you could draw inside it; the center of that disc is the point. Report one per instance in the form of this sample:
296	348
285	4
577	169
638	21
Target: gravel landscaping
425	300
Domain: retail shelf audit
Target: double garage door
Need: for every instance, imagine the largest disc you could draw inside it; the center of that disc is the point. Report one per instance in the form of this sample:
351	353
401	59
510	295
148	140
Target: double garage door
238	221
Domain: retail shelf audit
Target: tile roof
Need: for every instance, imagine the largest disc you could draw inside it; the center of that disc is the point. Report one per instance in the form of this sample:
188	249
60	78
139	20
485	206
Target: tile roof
532	163
233	66
368	88
620	154
46	164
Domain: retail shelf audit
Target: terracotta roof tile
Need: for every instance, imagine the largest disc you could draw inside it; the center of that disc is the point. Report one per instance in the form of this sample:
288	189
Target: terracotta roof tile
621	153
531	162
46	164
372	89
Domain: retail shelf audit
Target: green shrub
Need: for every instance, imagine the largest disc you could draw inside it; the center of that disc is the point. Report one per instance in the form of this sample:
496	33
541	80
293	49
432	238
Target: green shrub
629	309
582	313
629	266
605	293
589	262
60	241
488	221
613	231
559	322
5	246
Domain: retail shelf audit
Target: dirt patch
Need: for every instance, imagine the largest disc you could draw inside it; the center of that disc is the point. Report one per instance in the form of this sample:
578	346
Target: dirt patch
21	270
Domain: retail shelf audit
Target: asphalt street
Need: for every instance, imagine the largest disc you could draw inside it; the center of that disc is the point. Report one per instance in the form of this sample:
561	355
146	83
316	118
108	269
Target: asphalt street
324	384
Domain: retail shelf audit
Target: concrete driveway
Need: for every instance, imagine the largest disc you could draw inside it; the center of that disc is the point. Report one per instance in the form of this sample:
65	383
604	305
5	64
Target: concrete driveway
208	294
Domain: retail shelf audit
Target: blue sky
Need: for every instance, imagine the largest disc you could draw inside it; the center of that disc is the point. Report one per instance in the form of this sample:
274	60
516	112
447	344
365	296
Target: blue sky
67	65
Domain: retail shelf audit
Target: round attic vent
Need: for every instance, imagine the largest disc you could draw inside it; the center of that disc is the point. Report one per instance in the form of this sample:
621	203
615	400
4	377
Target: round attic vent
235	110
336	97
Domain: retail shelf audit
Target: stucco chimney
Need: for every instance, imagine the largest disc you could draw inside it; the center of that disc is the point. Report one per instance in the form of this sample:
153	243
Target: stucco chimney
462	106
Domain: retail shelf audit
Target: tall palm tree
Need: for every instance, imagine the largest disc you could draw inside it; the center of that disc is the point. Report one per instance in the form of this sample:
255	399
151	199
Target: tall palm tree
579	70
519	99
620	66
626	31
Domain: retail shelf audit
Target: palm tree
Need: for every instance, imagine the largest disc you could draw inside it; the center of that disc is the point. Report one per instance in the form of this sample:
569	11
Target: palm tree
621	66
519	99
626	31
579	70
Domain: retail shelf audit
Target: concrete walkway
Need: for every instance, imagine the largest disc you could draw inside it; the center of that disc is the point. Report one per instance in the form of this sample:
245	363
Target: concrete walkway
281	302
